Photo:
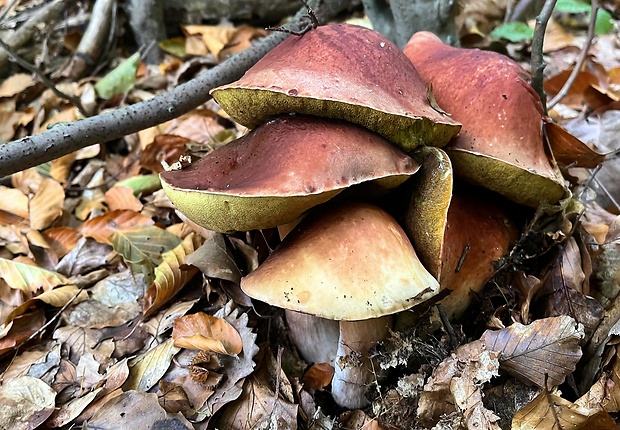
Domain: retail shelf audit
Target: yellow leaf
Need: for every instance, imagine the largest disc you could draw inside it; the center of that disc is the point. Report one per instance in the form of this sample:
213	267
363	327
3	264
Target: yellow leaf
207	333
171	275
29	278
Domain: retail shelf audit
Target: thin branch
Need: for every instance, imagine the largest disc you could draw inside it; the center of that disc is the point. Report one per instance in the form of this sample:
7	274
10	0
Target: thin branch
46	81
7	8
582	57
65	138
538	62
47	13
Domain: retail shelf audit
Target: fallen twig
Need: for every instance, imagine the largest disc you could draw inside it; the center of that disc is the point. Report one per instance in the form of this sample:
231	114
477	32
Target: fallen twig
582	57
47	13
538	63
46	81
62	139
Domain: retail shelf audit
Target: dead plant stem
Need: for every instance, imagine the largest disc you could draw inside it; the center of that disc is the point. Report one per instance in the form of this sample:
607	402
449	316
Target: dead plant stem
582	58
538	61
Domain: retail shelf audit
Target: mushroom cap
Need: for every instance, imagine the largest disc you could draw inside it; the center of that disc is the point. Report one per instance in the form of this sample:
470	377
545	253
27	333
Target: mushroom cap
340	71
280	170
457	236
500	146
351	262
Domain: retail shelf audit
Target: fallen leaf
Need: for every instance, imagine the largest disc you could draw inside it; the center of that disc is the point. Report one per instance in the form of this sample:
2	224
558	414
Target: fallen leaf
318	376
46	205
122	198
148	368
549	411
165	147
120	80
206	333
543	352
27	278
215	260
569	150
102	227
62	239
171	275
138	411
575	96
26	403
236	368
15	84
11	119
20	330
14	201
72	409
58	297
214	37
86	256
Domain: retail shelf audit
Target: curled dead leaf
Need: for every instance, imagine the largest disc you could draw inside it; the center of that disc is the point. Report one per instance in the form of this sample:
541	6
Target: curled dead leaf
206	333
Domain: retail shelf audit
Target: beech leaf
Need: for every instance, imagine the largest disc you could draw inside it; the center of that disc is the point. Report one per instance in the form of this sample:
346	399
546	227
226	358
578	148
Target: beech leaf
545	351
29	278
46	205
102	227
171	275
147	369
206	333
214	260
550	411
26	403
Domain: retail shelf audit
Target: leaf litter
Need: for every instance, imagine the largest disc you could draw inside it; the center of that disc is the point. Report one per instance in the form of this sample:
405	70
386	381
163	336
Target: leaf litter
99	274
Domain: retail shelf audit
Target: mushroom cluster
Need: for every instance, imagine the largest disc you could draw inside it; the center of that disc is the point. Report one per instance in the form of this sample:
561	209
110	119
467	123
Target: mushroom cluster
341	112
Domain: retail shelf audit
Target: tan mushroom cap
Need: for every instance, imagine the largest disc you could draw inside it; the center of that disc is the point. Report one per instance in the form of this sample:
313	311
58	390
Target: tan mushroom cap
340	71
280	170
500	146
457	236
351	262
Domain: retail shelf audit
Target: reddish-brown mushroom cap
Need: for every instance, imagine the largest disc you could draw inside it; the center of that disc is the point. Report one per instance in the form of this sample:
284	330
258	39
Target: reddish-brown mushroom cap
500	145
345	72
280	170
458	236
351	262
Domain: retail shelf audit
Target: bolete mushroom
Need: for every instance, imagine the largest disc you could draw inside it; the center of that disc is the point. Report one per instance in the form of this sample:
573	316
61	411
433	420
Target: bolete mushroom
500	146
352	263
280	170
340	71
458	236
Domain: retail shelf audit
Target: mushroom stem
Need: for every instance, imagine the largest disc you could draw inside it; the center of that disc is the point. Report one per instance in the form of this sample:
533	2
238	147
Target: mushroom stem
354	370
315	338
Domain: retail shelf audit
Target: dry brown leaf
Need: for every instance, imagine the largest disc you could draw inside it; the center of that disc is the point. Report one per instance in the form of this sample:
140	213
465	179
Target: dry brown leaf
164	147
15	84
199	125
236	368
148	368
122	198
26	403
28	278
266	401
214	260
46	205
575	95
569	150
72	409
20	329
62	239
562	293
550	411
14	201
138	411
318	376
214	38
527	286
102	227
359	420
87	255
455	385
171	275
545	351
206	333
11	119
58	297
241	40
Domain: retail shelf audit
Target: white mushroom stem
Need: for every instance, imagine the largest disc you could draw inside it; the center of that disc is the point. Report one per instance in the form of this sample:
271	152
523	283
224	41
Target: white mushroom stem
354	371
315	338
